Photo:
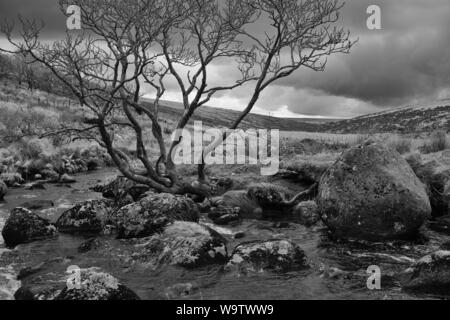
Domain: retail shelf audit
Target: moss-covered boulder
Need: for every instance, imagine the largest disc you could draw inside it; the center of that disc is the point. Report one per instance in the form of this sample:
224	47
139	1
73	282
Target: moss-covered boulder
24	226
85	218
371	193
75	284
185	244
151	214
272	255
222	215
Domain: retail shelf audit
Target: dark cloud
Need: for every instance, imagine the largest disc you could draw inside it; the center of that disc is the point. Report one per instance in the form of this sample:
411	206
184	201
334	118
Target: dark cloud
46	10
407	61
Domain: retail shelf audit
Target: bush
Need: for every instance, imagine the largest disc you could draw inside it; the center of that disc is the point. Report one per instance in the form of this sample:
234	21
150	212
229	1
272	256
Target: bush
437	142
402	145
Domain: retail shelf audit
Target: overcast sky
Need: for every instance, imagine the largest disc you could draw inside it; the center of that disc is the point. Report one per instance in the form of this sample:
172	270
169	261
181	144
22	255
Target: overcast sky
407	62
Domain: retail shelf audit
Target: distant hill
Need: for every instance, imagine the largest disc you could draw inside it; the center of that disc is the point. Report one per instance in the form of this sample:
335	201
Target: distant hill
420	118
409	119
221	117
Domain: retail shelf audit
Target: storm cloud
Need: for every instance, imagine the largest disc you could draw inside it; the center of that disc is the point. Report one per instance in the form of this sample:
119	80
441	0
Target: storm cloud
406	62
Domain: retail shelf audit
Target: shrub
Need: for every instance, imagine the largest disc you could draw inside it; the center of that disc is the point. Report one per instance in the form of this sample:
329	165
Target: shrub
437	142
402	145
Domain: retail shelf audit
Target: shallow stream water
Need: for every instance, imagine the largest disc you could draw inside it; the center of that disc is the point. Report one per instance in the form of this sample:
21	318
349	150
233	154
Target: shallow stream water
338	270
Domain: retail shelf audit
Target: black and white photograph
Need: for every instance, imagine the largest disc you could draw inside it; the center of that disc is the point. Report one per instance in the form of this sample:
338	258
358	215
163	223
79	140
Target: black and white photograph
224	155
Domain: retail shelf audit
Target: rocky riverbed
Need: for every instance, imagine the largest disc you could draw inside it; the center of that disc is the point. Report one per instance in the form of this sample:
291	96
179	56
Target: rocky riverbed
142	245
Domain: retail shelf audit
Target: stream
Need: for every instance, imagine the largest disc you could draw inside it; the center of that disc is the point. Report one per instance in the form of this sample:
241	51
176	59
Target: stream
338	270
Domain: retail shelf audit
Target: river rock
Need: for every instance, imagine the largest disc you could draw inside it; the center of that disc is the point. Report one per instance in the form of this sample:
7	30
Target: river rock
76	284
185	244
306	213
3	190
269	196
272	255
87	217
121	187
372	193
36	185
440	224
23	226
249	208
151	214
50	175
223	215
65	178
435	174
11	179
431	275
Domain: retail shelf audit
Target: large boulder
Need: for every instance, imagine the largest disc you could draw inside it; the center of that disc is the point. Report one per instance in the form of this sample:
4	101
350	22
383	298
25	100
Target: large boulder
151	214
76	284
431	275
85	218
372	193
3	190
185	244
435	174
272	255
23	226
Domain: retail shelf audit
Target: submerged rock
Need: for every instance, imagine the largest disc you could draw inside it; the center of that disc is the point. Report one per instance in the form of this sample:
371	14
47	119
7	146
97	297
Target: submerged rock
431	275
77	284
249	209
24	226
3	190
65	178
37	204
440	224
185	244
151	214
37	185
269	196
273	255
89	245
222	215
371	193
306	213
87	217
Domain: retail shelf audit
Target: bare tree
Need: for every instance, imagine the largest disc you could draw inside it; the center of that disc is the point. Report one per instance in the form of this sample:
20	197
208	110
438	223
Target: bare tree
126	45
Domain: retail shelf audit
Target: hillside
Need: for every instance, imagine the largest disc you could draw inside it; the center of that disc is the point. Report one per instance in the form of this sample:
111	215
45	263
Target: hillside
223	117
410	119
